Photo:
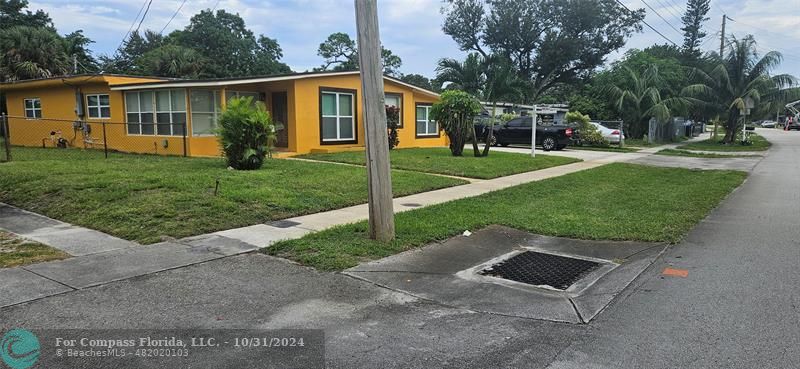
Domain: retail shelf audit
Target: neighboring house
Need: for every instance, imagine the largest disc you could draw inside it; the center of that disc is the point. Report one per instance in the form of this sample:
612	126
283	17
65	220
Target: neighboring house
548	113
314	112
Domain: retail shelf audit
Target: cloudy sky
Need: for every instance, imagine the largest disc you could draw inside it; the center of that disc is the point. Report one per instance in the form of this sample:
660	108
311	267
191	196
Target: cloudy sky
410	28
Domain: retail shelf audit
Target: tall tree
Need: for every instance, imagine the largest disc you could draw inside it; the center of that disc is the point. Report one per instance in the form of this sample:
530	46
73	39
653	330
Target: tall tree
693	19
466	76
124	61
742	76
171	61
548	41
30	52
230	48
77	46
639	99
14	13
341	53
419	81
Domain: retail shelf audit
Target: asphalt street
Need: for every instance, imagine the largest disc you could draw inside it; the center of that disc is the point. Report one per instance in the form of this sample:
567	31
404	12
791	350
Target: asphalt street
738	307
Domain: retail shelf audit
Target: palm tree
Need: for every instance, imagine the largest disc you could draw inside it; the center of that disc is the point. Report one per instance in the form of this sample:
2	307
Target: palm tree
502	82
29	52
467	76
742	76
171	61
640	100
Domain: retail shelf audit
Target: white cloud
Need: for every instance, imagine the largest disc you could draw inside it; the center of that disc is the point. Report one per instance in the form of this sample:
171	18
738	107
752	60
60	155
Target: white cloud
410	28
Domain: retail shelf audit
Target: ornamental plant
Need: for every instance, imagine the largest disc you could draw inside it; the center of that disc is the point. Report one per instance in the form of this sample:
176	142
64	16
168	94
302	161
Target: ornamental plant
392	124
455	112
246	132
589	134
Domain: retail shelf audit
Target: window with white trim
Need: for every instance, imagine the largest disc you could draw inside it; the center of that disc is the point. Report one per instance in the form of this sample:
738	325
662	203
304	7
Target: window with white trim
33	108
160	112
98	106
205	111
425	125
338	116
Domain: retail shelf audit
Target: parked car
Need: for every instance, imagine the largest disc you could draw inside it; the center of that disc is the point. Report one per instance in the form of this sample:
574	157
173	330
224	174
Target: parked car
794	125
611	135
768	124
518	131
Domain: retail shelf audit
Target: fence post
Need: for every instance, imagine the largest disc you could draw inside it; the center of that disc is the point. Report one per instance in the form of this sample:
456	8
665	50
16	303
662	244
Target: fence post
621	134
6	135
184	139
105	141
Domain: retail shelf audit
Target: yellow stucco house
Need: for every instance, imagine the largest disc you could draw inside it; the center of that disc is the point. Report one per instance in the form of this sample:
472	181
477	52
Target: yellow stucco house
314	112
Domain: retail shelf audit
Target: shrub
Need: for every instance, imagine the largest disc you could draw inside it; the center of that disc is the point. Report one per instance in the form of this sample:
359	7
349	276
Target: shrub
392	124
455	113
589	134
246	133
505	117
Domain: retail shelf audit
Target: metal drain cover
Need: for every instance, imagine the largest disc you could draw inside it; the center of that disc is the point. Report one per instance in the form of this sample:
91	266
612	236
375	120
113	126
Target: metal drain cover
541	269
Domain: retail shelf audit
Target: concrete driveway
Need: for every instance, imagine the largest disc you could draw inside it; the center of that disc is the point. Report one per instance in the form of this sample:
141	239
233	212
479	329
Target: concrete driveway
737	308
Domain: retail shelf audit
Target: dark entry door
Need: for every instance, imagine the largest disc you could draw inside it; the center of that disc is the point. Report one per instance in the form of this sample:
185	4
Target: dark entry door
280	117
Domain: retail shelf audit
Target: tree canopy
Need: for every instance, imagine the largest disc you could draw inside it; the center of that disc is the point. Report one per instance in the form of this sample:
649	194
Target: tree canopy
548	41
693	19
341	53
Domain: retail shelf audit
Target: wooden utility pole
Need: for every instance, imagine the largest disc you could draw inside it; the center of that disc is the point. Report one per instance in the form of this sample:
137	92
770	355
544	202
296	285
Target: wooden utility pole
379	175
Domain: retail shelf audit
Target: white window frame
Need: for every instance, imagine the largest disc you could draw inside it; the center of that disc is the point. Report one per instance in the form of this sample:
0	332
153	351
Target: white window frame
99	107
217	109
33	107
155	112
427	122
339	117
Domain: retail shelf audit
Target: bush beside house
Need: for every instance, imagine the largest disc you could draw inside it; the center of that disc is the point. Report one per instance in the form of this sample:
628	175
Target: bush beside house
246	132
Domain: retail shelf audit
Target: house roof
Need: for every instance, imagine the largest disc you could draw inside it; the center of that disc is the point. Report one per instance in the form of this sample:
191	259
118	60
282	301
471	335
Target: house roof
219	82
79	79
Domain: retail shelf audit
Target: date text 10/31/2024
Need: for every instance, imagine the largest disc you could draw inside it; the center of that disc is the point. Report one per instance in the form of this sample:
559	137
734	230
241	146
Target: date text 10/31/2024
175	342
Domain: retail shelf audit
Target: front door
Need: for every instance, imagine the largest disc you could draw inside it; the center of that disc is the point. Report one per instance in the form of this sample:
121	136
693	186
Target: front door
280	118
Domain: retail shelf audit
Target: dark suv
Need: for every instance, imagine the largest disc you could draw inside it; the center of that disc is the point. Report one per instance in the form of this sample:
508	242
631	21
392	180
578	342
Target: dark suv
518	131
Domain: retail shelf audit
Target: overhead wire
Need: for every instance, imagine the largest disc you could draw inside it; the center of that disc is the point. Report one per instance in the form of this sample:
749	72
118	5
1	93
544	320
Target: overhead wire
648	24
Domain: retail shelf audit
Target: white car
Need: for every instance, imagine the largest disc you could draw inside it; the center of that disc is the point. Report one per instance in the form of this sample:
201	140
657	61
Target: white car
768	124
611	135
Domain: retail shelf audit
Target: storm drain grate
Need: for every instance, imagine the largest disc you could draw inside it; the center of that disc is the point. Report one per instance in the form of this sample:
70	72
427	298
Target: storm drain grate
539	269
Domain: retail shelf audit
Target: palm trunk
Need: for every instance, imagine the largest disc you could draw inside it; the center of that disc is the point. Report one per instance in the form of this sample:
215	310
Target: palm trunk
475	150
491	130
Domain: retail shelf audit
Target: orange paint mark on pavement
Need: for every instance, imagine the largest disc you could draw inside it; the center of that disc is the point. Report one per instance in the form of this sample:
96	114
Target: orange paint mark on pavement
683	273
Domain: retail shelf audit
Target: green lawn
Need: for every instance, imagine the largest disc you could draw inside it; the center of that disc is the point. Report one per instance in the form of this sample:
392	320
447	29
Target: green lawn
640	143
759	144
615	201
144	197
15	251
674	152
439	160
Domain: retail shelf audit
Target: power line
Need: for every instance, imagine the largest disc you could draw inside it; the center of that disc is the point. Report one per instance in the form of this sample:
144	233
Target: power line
648	24
131	27
215	6
143	16
668	8
662	18
173	17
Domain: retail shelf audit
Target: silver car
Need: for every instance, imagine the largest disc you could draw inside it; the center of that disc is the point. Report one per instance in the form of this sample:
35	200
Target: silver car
768	124
611	135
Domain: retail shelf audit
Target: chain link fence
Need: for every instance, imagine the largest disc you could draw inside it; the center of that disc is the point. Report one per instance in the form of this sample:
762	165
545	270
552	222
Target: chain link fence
672	131
78	137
